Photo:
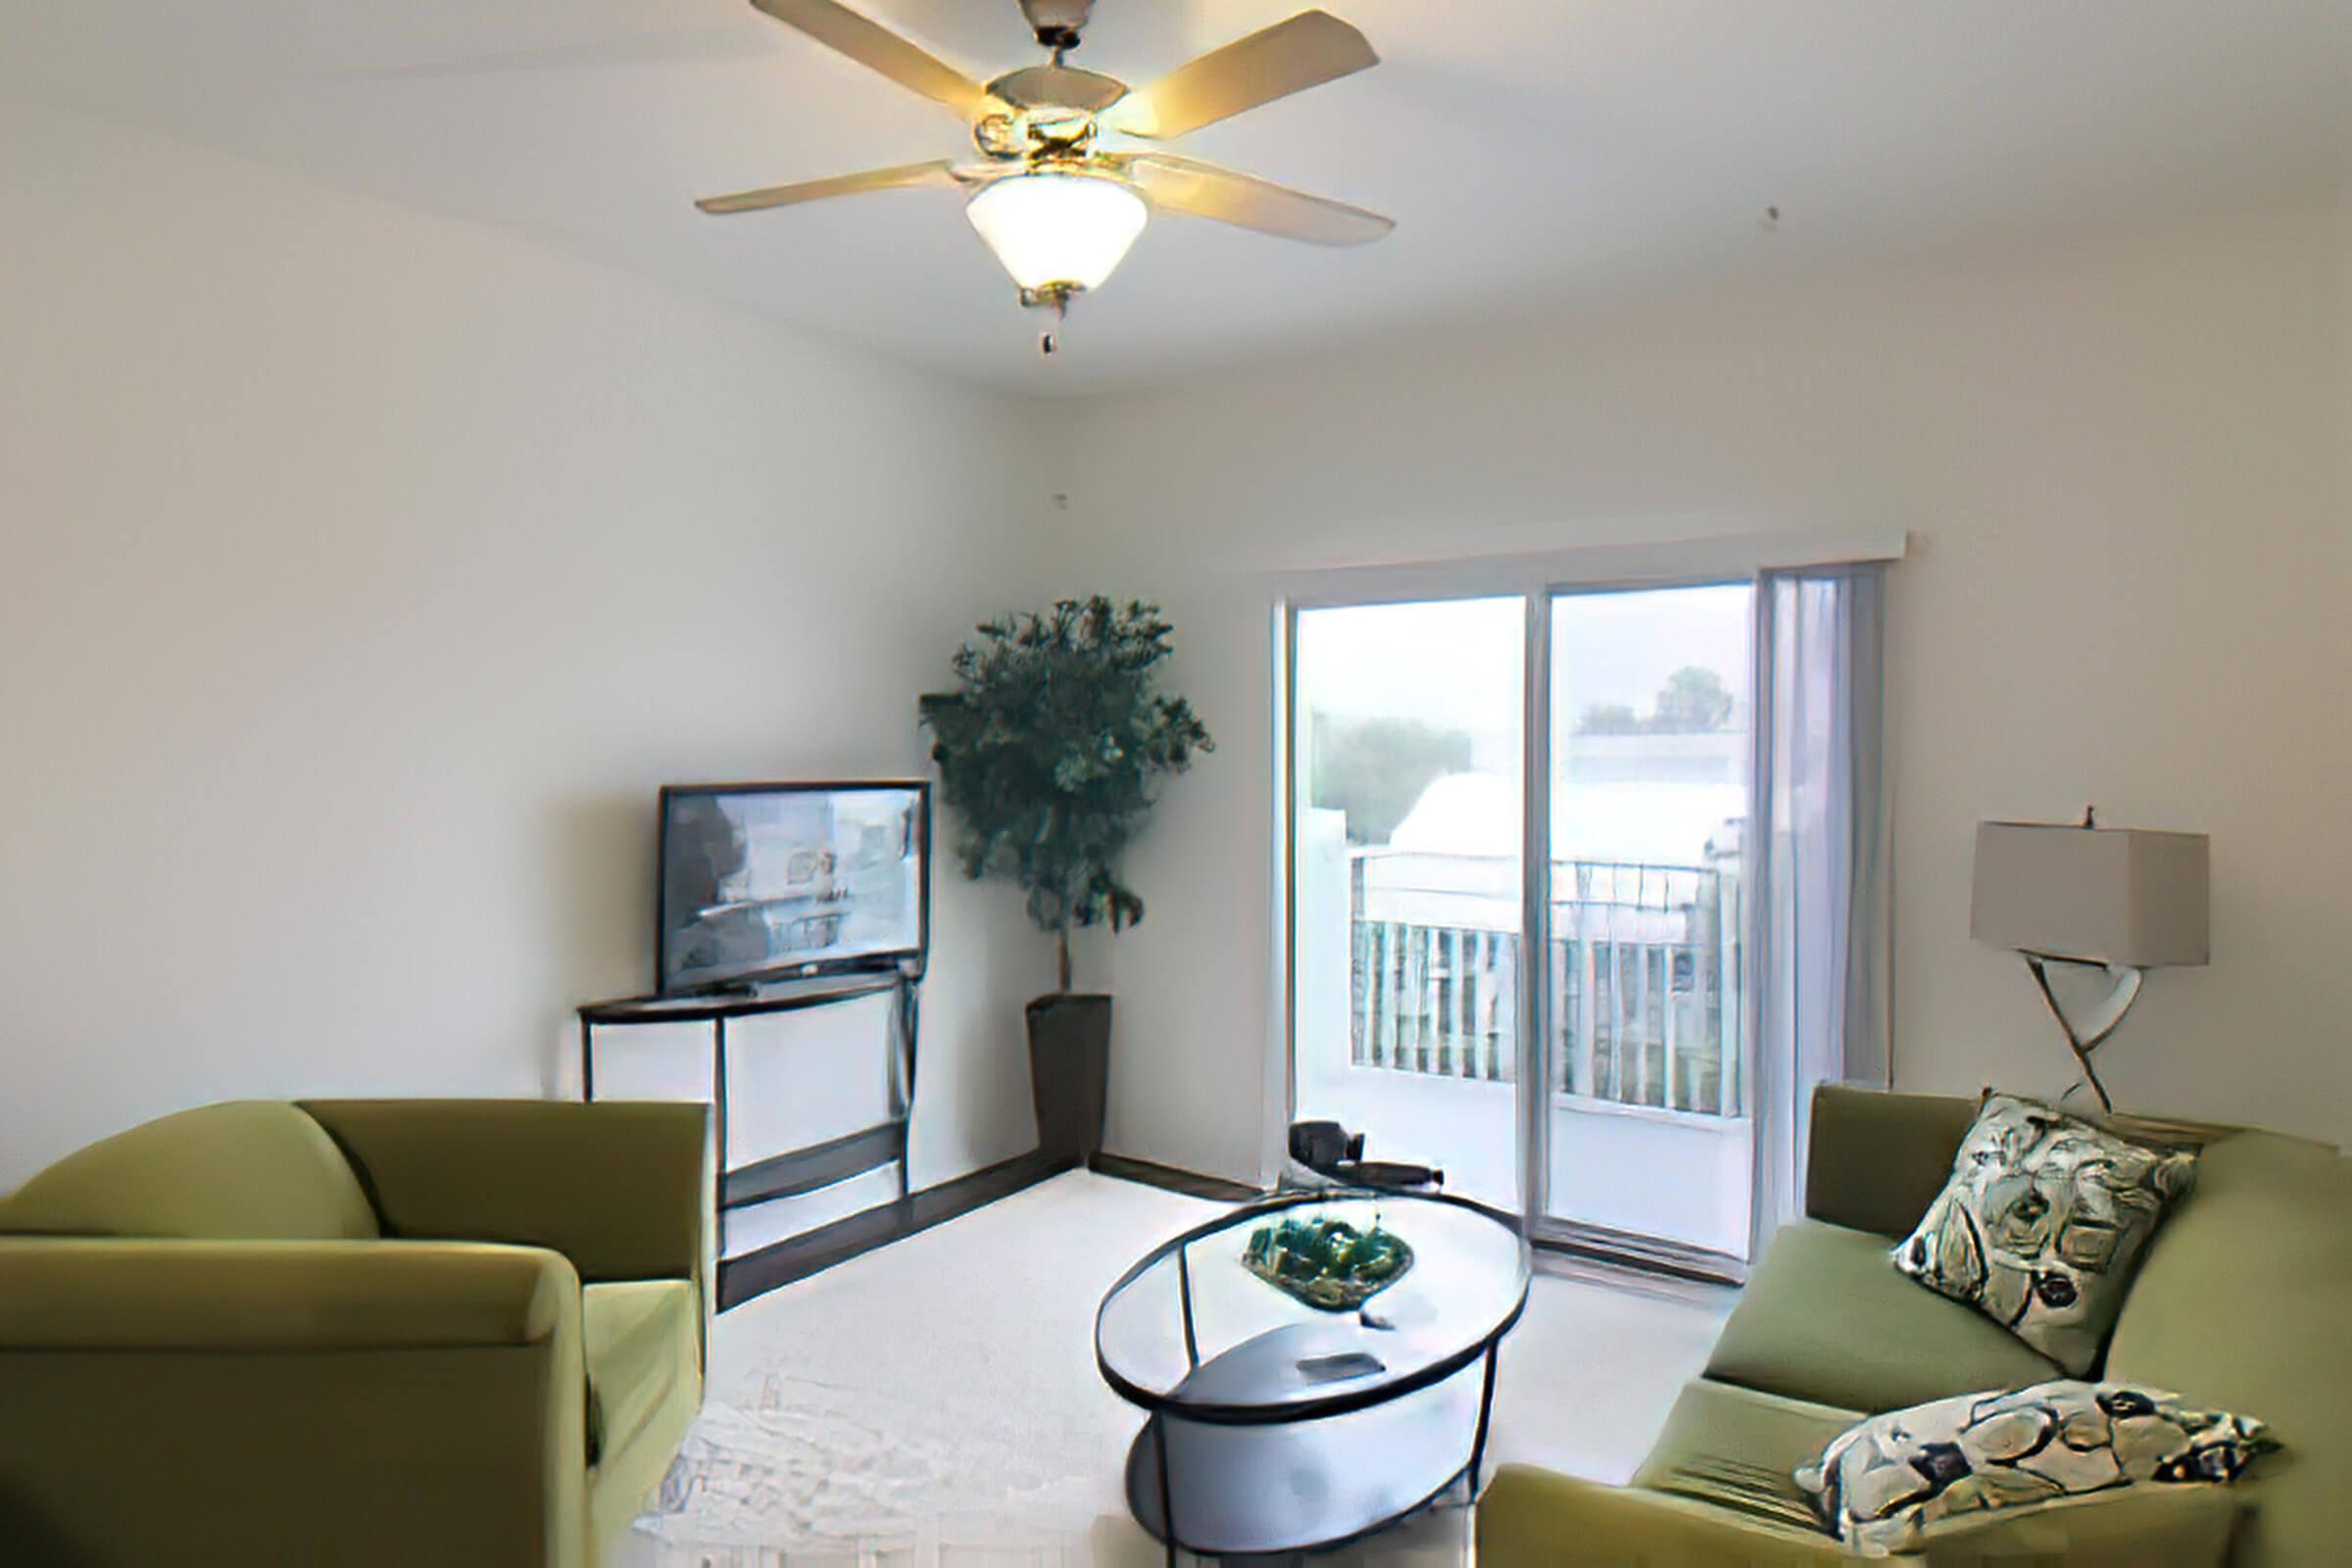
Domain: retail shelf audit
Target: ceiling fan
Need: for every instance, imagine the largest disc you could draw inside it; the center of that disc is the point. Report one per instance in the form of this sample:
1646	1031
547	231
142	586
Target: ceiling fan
1058	206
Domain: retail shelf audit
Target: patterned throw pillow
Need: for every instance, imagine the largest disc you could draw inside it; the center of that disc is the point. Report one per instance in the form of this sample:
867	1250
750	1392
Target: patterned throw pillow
1882	1482
2041	1224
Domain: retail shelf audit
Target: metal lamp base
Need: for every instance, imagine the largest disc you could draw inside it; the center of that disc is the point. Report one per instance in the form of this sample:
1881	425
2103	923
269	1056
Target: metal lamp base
2128	979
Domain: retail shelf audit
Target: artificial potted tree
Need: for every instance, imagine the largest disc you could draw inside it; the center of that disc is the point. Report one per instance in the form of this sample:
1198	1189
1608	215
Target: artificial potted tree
1050	752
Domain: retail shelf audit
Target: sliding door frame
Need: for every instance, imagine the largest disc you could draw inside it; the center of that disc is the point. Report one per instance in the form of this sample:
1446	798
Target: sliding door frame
1536	581
1346	589
1544	1228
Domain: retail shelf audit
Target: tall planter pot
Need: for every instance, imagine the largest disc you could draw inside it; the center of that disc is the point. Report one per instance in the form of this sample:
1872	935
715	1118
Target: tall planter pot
1069	1071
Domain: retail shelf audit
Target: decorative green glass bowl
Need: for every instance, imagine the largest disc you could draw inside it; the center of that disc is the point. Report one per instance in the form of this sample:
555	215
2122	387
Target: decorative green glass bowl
1327	1264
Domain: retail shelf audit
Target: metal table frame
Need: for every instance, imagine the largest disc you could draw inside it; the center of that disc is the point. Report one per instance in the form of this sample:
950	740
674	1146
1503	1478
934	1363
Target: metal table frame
1158	1405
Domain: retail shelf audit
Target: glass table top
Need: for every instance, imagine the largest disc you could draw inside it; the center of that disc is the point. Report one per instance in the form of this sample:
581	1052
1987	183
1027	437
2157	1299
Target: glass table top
1190	1330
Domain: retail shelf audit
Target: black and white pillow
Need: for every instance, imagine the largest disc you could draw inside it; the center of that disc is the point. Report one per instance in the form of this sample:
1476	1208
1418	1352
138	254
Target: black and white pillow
1884	1480
2040	1223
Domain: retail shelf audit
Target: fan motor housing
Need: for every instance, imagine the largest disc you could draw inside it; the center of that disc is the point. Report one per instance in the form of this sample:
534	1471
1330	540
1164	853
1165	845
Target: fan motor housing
1057	86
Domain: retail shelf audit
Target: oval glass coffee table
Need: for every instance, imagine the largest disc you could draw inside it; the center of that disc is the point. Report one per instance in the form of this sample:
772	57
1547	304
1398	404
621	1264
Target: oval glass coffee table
1275	1427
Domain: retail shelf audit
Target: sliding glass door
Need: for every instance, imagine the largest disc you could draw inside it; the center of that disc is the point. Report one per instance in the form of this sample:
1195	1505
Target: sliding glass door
1408	742
1601	1089
1645	1132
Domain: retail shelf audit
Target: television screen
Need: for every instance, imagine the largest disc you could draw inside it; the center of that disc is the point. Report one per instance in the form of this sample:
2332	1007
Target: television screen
765	880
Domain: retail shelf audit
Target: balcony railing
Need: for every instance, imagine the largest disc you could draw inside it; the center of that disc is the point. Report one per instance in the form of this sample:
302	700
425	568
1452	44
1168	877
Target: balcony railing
1644	972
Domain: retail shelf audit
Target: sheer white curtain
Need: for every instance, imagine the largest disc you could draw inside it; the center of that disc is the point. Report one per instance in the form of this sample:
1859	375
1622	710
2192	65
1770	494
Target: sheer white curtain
1819	996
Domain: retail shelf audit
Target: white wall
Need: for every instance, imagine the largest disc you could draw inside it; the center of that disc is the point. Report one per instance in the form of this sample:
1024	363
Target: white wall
2124	459
361	575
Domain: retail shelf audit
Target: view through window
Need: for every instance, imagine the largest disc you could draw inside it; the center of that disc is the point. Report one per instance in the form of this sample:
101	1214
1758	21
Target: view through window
1410	732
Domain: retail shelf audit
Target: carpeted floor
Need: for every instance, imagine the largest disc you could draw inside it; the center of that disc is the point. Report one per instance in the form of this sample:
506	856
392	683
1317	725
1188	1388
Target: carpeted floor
935	1405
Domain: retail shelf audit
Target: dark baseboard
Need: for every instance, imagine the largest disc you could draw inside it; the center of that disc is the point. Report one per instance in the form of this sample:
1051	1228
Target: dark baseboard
1191	1184
755	1274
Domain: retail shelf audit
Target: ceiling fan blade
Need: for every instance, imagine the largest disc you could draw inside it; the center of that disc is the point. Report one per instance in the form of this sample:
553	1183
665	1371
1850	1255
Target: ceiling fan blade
939	174
876	47
1204	190
1313	47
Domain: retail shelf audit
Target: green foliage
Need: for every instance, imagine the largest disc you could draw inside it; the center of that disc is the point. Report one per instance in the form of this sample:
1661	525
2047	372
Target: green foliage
1375	768
1694	700
1325	1263
1051	749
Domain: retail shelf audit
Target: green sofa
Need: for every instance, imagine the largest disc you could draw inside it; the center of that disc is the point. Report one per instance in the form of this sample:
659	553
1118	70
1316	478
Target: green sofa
352	1331
2240	1303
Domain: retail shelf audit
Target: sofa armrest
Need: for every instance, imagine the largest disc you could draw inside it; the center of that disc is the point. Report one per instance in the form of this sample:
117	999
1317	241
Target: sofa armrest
372	1404
1530	1518
1876	1160
138	1293
620	1189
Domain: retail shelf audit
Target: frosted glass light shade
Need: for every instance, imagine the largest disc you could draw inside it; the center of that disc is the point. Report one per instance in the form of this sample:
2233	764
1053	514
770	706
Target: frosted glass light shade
1058	230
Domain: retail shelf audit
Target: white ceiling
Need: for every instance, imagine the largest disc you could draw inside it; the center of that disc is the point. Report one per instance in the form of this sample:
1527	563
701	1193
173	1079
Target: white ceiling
1535	151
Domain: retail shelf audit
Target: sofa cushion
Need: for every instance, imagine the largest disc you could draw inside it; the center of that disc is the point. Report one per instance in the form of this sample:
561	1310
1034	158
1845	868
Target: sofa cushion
1740	1449
2241	1304
1827	1319
644	1387
248	1170
1874	1160
2041	1222
1530	1518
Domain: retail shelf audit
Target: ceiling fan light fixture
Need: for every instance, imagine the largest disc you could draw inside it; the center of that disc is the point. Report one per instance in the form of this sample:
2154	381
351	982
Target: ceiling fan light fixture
1056	231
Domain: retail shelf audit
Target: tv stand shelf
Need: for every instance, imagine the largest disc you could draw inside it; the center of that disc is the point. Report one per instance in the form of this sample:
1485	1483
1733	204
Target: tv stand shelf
716	1006
798	1171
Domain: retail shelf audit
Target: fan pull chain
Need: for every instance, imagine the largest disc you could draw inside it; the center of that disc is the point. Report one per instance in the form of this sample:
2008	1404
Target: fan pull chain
1049	341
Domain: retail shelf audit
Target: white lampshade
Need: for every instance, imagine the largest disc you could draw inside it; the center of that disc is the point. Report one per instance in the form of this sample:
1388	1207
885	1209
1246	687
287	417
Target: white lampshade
1058	230
2120	895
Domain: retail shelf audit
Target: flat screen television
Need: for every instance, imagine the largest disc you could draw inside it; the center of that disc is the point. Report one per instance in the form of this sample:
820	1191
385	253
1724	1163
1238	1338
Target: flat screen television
769	881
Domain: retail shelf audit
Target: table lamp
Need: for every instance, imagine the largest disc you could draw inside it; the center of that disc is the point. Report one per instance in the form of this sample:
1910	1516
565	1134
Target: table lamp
2121	900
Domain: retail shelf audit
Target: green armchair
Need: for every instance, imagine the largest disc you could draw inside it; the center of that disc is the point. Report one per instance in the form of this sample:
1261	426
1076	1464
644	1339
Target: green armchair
357	1332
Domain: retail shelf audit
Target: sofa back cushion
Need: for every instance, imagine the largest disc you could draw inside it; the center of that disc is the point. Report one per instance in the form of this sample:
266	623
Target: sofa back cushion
2240	1305
249	1170
1875	1160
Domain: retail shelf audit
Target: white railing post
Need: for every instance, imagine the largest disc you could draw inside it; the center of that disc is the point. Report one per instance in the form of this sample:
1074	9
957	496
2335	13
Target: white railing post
1729	984
1557	1047
1506	1004
1459	971
1502	1044
1666	1030
1360	959
1707	973
1473	982
1384	1039
1587	1038
1642	1031
1424	997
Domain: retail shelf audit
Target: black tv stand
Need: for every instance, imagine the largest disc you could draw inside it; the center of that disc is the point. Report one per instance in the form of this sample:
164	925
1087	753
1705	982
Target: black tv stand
800	1170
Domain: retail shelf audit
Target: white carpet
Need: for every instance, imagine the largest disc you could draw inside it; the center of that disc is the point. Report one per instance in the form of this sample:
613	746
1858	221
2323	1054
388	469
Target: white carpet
936	1404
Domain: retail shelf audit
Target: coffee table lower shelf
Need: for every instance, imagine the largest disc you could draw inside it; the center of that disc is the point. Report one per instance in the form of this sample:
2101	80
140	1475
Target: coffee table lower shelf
1278	1488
